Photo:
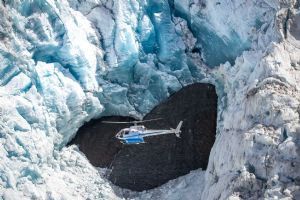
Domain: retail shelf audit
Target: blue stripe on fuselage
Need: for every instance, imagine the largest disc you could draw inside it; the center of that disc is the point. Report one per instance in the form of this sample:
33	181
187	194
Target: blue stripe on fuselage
134	140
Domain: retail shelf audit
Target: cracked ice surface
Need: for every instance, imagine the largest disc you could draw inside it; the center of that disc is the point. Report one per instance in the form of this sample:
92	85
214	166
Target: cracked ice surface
65	62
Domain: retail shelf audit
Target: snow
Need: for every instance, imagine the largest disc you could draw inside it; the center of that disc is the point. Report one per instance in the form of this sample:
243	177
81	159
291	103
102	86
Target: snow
63	63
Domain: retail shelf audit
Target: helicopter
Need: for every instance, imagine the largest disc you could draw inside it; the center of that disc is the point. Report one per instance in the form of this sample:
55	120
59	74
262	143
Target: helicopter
135	134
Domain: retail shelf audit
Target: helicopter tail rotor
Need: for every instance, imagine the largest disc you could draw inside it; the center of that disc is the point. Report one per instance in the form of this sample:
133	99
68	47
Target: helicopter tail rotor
177	130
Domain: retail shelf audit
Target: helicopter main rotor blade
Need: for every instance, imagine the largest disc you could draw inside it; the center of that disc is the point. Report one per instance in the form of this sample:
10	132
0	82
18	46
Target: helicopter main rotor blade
148	120
112	122
132	122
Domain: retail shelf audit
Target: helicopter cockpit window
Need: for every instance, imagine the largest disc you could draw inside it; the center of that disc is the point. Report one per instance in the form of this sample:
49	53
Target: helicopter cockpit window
125	132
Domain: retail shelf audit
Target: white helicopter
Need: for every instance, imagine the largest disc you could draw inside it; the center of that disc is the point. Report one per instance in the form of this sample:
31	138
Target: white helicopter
135	134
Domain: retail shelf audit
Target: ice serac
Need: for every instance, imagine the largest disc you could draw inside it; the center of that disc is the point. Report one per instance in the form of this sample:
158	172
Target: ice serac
224	29
65	62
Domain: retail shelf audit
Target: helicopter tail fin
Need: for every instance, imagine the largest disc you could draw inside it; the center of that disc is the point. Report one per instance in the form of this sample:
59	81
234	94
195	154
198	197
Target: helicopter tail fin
177	130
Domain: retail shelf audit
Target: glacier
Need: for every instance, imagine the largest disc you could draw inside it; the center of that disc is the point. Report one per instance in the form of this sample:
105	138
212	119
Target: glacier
64	62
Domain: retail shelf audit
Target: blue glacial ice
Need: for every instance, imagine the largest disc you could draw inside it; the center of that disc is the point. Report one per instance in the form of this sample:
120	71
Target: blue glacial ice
63	63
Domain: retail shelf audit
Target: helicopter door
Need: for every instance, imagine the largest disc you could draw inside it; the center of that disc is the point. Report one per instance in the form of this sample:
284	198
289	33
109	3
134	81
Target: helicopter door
125	133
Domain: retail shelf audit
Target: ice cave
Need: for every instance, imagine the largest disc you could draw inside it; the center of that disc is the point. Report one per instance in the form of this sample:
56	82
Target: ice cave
161	158
229	69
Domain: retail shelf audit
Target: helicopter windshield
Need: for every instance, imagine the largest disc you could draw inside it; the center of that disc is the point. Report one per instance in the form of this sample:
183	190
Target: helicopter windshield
122	133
